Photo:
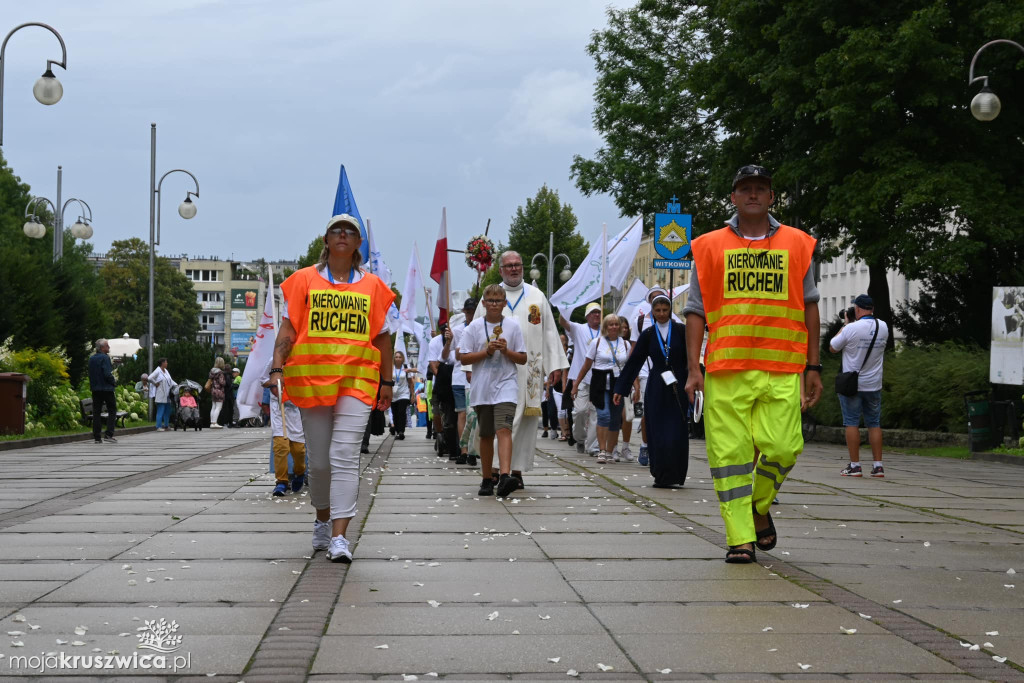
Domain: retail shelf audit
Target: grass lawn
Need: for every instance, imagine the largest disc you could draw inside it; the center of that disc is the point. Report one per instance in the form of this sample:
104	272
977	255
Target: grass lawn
958	452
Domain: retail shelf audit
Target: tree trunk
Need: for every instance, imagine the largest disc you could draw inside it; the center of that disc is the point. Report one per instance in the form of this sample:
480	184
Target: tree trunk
878	290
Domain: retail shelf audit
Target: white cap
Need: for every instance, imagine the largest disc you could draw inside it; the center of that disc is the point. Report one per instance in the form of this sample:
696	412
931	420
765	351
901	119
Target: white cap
344	218
593	306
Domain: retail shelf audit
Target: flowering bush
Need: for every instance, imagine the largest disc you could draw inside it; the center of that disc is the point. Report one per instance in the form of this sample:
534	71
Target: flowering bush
480	253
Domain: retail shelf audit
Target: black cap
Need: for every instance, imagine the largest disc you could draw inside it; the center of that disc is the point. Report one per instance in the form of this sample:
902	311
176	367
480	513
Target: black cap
864	301
751	172
469	304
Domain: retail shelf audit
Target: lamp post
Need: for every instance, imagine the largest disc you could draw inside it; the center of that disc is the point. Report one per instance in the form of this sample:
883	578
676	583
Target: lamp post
186	210
550	260
82	229
47	89
985	106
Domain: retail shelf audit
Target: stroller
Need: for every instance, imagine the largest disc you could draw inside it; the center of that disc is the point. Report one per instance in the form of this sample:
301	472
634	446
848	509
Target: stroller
186	406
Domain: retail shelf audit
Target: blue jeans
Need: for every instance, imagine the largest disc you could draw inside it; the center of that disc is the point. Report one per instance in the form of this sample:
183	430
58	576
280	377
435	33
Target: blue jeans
163	414
611	415
868	403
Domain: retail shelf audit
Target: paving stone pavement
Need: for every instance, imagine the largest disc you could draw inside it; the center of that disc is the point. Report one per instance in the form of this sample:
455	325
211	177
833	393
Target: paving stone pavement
588	570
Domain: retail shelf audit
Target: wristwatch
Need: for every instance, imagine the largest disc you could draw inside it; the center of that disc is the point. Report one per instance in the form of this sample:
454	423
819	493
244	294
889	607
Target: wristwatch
816	368
387	383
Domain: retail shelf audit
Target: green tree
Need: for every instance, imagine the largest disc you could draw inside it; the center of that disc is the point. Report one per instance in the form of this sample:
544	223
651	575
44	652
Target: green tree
312	255
859	109
529	234
46	304
125	278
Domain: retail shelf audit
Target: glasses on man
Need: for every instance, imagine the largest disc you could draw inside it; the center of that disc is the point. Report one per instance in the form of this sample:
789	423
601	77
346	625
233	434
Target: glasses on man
513	266
494	302
347	232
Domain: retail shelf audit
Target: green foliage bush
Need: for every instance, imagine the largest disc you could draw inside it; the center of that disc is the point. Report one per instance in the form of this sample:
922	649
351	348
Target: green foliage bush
922	387
47	369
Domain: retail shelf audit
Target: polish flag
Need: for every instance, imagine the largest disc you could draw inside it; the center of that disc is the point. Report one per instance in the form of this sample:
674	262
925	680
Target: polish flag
439	271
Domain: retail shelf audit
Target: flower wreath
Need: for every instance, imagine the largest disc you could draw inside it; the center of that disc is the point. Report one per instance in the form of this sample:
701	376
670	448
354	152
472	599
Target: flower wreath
480	253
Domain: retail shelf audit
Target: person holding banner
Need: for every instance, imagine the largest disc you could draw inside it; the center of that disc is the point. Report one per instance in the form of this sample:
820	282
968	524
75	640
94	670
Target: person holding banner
661	348
328	354
755	288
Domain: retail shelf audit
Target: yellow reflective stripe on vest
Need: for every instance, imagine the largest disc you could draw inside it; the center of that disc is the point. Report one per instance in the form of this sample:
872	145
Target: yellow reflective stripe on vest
766	310
332	370
367	387
744	353
336	350
763	331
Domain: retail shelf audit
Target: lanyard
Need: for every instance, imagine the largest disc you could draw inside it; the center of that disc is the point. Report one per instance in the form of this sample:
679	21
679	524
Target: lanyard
611	348
665	344
512	307
398	378
330	277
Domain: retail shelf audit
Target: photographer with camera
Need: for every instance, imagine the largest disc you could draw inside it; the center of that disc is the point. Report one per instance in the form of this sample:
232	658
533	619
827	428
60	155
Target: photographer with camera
859	386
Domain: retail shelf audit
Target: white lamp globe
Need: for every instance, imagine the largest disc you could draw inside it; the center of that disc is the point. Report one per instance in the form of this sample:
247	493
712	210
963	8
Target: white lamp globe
985	106
48	89
81	230
187	209
33	229
534	274
565	275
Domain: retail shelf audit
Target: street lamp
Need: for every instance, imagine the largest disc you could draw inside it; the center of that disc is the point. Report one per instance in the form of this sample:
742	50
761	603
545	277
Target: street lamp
82	229
550	261
186	210
47	89
985	106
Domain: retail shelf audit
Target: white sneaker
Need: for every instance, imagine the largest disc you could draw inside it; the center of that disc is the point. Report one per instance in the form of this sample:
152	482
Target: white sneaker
626	453
216	426
602	458
616	457
160	429
339	552
321	535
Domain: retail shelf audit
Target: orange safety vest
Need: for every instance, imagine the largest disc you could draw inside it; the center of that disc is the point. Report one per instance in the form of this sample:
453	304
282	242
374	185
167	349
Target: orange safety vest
754	299
333	354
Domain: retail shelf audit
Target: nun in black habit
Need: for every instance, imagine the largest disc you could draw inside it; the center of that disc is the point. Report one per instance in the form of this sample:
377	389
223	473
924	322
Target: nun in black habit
665	405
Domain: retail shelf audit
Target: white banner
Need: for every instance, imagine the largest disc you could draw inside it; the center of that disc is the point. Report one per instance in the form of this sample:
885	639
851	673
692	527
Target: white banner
1006	360
250	392
585	284
636	295
413	284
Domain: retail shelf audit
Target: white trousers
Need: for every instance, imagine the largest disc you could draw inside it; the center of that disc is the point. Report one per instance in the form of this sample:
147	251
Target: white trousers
584	419
333	437
215	411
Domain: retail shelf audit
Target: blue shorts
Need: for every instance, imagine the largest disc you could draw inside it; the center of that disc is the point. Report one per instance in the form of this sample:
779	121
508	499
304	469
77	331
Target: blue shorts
460	398
611	415
866	403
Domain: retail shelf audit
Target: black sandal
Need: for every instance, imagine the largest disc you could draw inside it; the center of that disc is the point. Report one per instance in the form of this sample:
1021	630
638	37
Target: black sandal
765	533
738	555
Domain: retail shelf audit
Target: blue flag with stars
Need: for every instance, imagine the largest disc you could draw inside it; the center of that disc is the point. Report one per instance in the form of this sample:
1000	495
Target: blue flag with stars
345	202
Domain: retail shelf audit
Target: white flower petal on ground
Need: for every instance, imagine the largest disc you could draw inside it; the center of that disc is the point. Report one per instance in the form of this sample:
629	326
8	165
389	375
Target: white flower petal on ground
988	645
801	605
664	671
805	667
864	616
999	659
774	649
410	677
78	643
896	602
963	644
132	582
545	617
418	584
492	616
554	660
380	647
766	629
848	631
1011	571
19	618
15	633
927	544
974	648
433	603
572	672
604	667
1008	585
991	633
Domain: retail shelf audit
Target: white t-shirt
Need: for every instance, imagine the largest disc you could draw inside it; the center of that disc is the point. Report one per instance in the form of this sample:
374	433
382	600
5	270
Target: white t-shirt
458	374
495	379
608	355
401	389
581	336
357	276
434	348
853	340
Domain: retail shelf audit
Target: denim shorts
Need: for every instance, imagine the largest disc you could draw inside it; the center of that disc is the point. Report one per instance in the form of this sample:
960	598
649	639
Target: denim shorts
460	398
611	415
866	403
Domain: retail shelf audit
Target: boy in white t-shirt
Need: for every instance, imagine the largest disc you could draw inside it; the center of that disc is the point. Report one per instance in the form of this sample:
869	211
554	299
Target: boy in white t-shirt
494	345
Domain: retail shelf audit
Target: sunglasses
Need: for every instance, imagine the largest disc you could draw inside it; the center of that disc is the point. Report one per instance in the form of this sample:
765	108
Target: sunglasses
347	232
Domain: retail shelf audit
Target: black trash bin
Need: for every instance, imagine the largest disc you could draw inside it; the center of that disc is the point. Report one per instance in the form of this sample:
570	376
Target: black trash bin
979	420
13	392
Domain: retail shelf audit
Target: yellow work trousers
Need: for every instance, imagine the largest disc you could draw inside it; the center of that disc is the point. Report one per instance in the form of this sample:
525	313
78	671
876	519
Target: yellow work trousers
282	447
744	409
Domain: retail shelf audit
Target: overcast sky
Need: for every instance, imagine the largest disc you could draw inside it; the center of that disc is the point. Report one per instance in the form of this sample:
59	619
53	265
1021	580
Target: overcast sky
459	103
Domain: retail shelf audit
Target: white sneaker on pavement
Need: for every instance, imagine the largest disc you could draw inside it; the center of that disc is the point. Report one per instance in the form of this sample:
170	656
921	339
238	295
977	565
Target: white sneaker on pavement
616	453
626	453
602	458
339	552
321	535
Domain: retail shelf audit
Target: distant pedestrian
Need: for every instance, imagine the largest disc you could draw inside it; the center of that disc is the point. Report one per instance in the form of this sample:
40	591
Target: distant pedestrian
287	439
402	395
607	355
584	416
625	452
236	383
217	384
101	383
142	386
494	346
862	343
164	385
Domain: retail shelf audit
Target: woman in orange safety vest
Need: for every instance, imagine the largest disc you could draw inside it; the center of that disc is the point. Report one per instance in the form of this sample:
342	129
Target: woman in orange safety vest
328	355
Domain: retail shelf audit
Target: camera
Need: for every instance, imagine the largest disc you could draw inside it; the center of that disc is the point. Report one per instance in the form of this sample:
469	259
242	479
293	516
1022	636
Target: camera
851	315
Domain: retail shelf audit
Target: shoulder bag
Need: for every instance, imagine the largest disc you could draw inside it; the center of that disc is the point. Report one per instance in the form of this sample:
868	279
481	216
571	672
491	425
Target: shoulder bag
846	382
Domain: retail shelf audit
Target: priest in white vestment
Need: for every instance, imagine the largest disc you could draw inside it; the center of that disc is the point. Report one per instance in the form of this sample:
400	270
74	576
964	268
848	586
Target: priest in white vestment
544	355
